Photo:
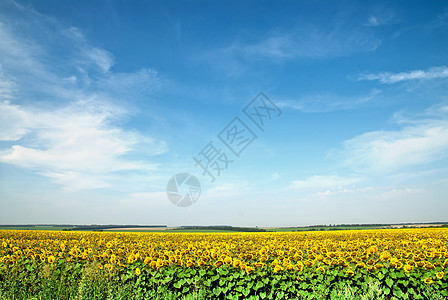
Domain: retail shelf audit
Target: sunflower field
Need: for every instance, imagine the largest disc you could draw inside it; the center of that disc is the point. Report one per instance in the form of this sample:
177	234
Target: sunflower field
385	264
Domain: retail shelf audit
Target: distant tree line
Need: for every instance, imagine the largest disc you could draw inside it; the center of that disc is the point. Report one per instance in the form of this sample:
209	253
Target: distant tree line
378	225
103	227
36	225
228	228
66	227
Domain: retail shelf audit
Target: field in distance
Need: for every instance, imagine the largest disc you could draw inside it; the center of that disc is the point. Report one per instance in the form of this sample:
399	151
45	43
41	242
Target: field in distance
216	228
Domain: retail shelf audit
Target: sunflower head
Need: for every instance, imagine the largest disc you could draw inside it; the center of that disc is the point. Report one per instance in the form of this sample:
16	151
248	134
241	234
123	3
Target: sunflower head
278	268
218	263
236	263
51	259
299	266
350	273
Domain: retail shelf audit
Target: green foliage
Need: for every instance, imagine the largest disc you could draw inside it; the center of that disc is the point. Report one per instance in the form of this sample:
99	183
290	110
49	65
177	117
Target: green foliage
37	280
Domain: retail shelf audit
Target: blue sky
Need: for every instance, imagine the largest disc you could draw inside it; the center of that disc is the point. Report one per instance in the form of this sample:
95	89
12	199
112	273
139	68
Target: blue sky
102	102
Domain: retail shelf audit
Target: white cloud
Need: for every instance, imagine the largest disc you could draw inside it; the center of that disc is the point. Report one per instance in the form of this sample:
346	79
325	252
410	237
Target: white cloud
72	180
87	55
373	21
19	56
146	200
418	142
307	42
275	176
140	81
101	57
71	142
47	60
227	191
386	156
379	18
59	108
7	86
340	191
14	122
380	192
399	192
324	182
302	41
327	102
387	77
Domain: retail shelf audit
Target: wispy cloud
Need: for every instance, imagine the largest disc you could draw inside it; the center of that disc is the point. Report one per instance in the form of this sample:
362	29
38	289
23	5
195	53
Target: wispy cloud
15	123
103	59
378	192
327	102
7	86
227	191
145	200
306	41
49	61
341	191
310	42
325	182
373	21
397	192
88	55
387	77
129	85
379	18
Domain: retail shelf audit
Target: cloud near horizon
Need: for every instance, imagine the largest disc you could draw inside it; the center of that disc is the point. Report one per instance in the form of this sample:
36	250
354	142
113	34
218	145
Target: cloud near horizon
421	140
